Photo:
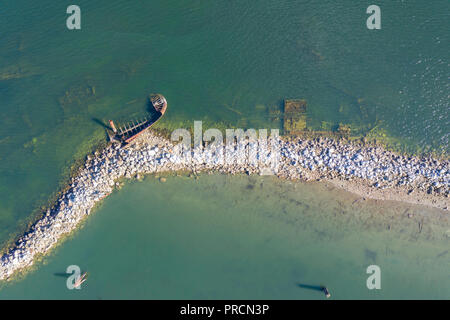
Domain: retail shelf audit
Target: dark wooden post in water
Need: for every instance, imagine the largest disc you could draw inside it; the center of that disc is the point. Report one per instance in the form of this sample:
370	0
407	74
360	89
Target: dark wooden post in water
126	135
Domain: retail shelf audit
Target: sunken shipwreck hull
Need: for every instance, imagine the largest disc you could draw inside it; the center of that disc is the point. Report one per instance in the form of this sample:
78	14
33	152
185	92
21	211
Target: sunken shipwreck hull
129	132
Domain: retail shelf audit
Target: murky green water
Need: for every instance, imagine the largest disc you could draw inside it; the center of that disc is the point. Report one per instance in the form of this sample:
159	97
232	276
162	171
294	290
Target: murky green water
227	61
246	237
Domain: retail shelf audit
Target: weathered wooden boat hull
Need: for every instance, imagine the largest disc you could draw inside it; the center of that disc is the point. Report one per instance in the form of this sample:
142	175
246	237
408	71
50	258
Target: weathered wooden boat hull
128	133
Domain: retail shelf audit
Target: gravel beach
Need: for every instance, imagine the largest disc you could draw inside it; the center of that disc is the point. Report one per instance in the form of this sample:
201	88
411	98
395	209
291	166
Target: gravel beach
369	171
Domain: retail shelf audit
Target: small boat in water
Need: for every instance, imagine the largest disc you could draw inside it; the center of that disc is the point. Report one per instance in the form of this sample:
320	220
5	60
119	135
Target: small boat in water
326	292
129	132
80	280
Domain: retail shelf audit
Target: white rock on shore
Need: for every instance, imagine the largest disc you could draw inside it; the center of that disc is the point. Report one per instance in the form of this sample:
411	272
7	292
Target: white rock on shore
300	159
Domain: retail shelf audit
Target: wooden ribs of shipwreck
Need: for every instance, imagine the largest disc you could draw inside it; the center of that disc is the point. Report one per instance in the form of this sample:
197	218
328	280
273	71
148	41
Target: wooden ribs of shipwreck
294	116
129	132
295	122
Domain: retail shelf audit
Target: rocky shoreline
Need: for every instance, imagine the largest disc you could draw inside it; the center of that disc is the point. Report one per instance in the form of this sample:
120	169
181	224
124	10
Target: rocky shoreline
369	171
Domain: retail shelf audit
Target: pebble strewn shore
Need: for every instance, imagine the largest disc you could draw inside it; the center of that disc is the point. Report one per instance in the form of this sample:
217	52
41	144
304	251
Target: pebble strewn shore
319	159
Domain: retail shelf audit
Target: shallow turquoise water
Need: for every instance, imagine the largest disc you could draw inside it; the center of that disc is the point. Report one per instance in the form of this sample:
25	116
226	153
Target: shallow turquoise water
225	237
228	61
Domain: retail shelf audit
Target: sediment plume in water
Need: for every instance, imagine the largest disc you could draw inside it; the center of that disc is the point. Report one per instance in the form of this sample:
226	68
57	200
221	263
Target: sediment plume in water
366	170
